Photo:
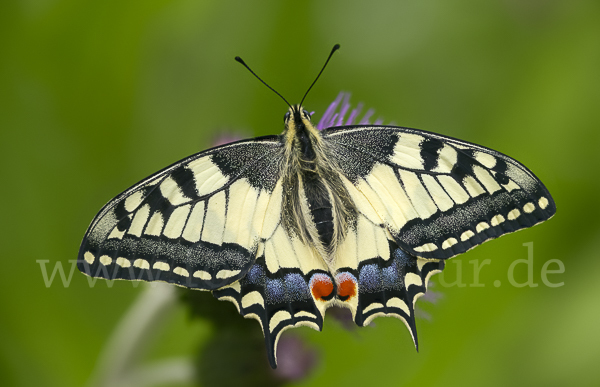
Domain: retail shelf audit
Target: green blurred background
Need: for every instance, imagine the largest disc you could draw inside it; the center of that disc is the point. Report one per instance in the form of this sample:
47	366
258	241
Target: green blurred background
95	95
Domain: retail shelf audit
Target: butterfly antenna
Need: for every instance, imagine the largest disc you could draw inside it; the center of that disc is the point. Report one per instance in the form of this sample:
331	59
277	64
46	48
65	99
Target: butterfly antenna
335	48
237	58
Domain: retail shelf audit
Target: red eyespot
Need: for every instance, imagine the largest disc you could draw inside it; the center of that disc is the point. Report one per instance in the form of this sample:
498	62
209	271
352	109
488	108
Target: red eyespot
346	286
321	286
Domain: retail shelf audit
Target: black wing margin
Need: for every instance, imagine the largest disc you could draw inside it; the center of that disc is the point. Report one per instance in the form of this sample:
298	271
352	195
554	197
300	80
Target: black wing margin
196	223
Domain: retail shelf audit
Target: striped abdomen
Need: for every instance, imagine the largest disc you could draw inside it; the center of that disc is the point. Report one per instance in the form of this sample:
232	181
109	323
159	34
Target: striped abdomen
320	207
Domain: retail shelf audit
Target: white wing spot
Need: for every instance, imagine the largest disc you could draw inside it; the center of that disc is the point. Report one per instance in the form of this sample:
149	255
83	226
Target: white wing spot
365	233
172	192
277	318
529	208
496	220
208	176
389	199
486	179
482	226
485	159
449	243
105	260
407	152
412	279
280	252
439	196
141	263
133	201
203	275
252	298
472	186
418	195
238	225
372	306
89	257
268	222
513	214
304	313
194	224
139	220
177	221
447	158
155	224
123	262
181	271
543	203
222	274
466	235
398	303
215	219
161	266
456	192
426	247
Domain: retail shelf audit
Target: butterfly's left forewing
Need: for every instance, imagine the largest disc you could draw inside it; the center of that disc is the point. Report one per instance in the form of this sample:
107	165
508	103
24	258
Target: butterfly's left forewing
437	196
197	223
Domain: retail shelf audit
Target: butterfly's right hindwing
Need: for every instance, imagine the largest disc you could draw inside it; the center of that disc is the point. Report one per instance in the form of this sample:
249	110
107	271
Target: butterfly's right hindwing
197	223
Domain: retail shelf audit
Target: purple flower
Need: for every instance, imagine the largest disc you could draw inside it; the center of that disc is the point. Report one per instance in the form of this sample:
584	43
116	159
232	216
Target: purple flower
333	117
295	360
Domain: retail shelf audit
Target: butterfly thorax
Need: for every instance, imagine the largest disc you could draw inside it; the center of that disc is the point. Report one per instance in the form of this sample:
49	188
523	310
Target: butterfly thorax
317	207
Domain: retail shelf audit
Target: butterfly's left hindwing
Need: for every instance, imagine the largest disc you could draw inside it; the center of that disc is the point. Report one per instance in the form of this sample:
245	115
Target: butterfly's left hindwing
288	286
197	223
437	196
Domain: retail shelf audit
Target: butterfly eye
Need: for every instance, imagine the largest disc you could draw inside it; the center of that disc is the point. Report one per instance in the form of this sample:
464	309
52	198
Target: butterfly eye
286	117
306	114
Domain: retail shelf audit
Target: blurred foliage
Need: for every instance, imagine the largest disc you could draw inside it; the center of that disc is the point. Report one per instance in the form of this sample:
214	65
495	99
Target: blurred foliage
96	95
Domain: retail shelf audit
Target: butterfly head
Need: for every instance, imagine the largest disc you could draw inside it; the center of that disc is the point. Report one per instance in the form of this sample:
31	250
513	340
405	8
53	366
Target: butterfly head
297	122
300	132
297	116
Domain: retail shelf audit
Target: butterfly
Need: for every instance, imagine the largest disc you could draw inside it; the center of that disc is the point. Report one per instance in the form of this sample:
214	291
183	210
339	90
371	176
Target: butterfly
286	226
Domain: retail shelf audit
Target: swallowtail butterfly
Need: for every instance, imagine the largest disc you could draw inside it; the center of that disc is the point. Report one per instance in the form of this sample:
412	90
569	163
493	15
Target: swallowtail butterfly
285	226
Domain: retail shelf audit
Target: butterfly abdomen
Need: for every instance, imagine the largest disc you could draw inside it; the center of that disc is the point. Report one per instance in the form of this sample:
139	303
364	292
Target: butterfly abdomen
320	207
323	218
